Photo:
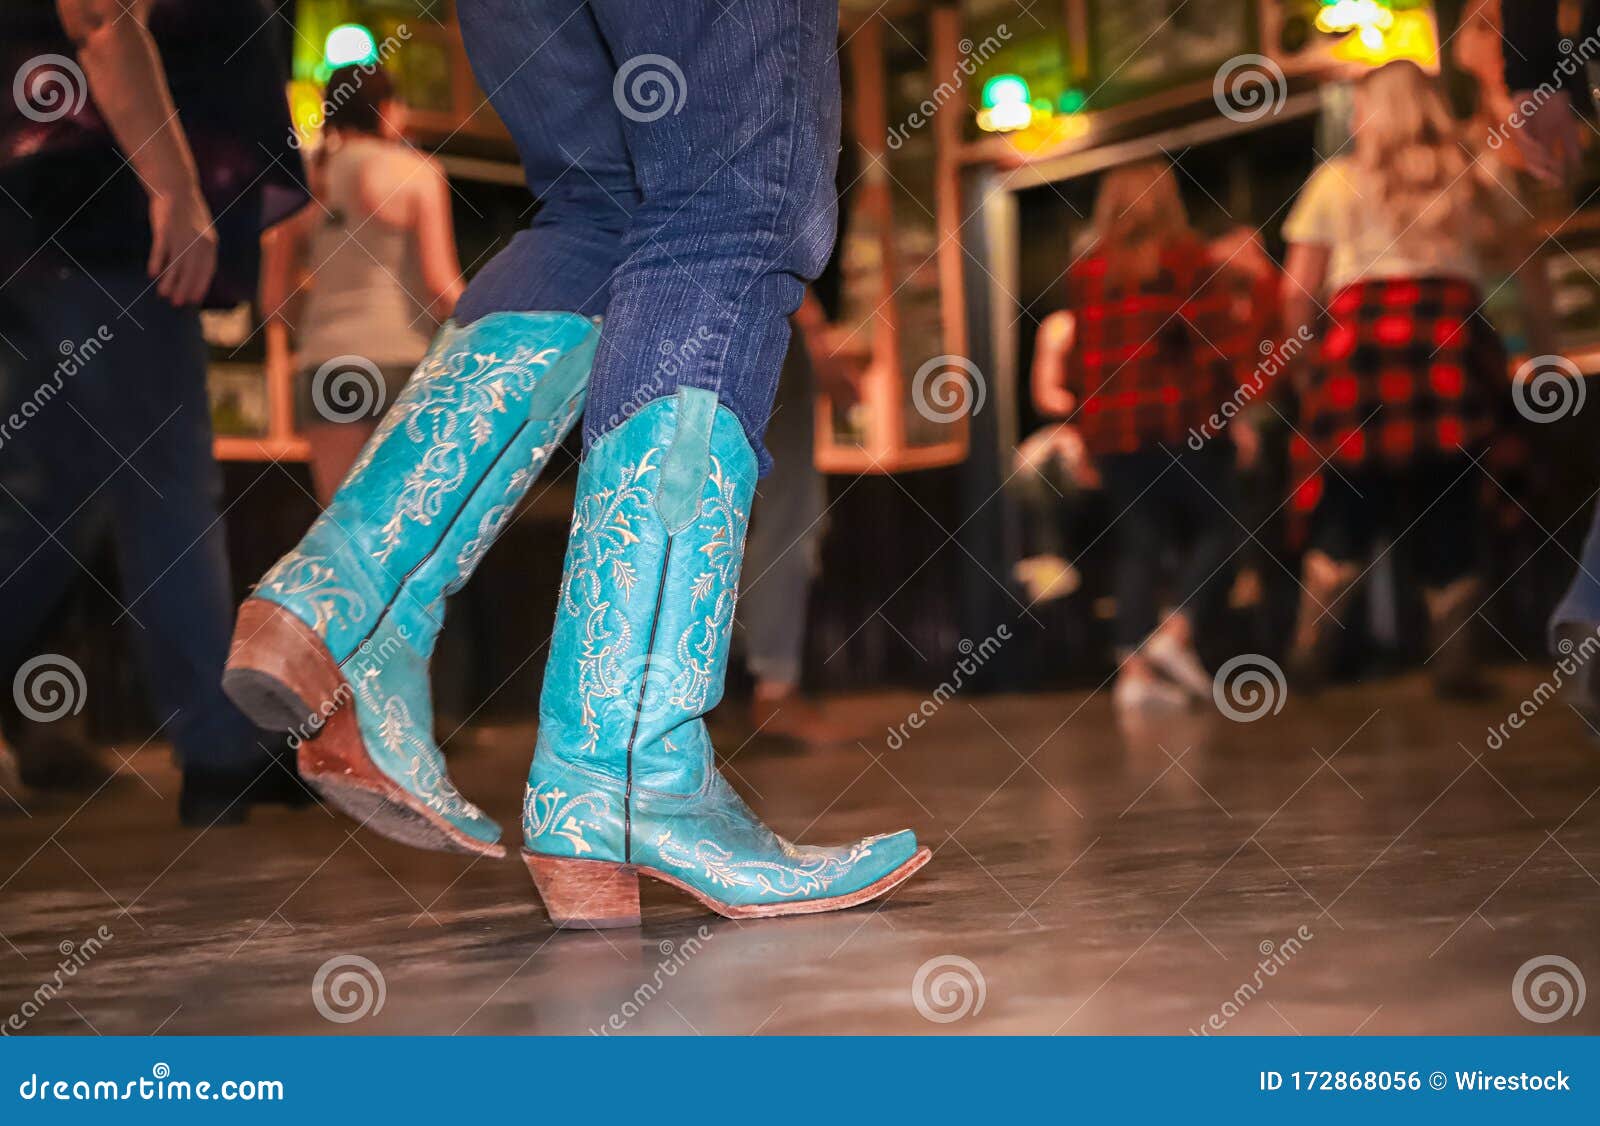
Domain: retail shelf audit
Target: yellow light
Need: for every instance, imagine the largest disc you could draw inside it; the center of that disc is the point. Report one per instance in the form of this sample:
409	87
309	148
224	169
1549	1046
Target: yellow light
1354	15
1372	38
1413	36
1006	117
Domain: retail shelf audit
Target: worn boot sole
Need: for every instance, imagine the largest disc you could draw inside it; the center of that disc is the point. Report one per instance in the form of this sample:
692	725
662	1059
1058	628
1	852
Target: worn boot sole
282	676
600	894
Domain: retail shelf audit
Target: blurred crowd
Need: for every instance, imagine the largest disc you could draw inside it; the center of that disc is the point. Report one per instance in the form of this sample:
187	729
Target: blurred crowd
1354	401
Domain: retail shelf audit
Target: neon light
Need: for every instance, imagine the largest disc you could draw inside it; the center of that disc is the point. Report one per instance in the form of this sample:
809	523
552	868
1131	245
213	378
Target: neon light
349	44
1005	89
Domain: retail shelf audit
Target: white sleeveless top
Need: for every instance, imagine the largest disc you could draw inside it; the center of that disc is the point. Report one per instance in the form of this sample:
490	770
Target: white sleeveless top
367	296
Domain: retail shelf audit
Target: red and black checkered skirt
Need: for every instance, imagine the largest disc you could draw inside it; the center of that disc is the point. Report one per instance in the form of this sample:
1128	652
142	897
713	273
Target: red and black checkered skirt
1406	369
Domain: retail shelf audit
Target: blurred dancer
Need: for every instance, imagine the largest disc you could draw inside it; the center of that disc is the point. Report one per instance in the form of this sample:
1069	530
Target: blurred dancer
379	253
1407	377
146	150
684	163
1551	143
1144	362
1547	82
782	555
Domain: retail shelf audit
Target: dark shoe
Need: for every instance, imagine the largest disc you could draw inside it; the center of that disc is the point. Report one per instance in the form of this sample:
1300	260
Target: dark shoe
796	722
11	790
1452	613
51	761
224	797
1325	609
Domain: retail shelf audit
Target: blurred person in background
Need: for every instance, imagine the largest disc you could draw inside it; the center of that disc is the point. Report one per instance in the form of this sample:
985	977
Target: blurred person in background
365	277
1407	381
145	151
1145	355
786	530
1551	140
1549	85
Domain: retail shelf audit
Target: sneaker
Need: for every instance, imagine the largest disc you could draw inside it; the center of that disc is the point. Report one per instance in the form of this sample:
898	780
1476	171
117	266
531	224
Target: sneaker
1147	694
1181	663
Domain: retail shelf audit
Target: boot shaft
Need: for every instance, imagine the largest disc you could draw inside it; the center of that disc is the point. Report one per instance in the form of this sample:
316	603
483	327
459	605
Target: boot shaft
438	479
640	648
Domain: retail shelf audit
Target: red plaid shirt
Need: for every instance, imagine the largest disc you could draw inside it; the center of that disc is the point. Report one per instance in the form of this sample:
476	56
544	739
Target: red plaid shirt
1406	369
1153	362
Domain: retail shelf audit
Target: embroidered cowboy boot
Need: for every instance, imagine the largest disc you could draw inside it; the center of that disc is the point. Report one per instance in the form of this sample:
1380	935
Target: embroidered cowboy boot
623	781
334	642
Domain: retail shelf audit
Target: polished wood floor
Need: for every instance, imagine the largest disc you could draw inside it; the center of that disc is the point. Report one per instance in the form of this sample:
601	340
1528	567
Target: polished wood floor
1393	865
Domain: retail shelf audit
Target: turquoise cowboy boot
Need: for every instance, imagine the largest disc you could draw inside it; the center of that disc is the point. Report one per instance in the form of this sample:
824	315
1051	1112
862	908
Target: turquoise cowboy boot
623	779
333	644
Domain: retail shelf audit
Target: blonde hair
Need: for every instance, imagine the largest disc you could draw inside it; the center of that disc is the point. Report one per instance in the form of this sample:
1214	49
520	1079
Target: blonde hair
1138	213
1414	151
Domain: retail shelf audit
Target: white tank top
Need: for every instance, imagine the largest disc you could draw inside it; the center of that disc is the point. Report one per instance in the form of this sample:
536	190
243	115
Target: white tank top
367	296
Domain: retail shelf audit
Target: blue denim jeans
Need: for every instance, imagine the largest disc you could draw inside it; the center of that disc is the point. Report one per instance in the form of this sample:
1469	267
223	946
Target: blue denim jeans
1579	608
683	154
106	412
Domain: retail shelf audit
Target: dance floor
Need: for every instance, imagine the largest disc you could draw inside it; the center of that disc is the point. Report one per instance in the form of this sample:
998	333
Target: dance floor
1368	862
